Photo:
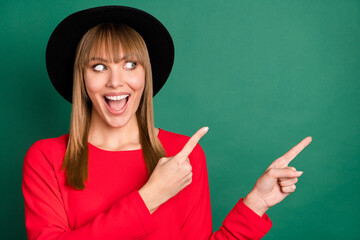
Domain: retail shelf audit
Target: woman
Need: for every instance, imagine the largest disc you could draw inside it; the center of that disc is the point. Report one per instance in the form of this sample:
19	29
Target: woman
116	176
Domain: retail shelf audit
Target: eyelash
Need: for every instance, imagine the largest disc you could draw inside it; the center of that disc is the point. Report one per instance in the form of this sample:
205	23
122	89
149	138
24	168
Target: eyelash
97	64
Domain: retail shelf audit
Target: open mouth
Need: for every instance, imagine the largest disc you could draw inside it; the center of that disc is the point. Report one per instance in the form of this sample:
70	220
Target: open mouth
116	103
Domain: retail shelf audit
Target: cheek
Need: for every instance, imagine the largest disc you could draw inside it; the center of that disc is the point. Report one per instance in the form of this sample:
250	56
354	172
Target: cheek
92	86
137	82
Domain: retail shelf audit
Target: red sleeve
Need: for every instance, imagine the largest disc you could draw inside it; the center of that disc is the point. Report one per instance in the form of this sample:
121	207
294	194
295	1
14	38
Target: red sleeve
46	218
240	223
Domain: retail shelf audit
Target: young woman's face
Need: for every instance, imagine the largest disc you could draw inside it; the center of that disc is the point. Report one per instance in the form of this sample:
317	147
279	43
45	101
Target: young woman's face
115	89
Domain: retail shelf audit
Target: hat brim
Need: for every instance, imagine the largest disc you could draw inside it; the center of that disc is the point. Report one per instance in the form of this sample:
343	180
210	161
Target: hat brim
61	48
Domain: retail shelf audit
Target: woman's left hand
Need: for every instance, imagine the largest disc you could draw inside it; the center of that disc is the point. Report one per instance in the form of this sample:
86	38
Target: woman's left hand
277	182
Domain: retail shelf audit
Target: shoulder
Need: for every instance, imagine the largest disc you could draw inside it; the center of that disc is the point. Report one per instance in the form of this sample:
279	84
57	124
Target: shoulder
51	144
51	149
174	142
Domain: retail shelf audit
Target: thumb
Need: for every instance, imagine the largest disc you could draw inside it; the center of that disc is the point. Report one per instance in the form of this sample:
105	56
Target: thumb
163	160
283	173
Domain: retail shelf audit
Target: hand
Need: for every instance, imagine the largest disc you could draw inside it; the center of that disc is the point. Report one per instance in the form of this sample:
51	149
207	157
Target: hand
277	182
171	175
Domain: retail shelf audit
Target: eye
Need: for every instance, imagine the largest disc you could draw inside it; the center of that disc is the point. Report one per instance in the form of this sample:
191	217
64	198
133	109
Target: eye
130	64
99	67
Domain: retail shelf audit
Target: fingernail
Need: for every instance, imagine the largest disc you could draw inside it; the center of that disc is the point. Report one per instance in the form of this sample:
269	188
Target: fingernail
299	173
206	129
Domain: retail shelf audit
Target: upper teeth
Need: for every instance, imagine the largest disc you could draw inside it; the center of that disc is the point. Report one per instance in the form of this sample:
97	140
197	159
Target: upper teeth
117	97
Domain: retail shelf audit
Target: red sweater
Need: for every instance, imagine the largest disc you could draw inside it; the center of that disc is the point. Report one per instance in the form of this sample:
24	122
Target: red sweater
111	208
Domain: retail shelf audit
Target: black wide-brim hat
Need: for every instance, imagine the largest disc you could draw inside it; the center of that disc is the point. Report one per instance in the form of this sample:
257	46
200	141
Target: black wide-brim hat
61	48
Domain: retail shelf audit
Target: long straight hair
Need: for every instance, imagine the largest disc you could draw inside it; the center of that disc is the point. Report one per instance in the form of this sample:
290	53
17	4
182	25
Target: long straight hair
110	37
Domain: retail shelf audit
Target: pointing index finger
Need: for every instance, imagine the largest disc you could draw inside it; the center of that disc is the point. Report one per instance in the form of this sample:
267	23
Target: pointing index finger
285	159
191	143
290	155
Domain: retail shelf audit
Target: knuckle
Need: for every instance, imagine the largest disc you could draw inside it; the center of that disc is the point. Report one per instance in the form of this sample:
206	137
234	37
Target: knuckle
179	165
282	183
287	189
292	168
190	180
291	172
282	160
179	154
188	169
177	159
271	171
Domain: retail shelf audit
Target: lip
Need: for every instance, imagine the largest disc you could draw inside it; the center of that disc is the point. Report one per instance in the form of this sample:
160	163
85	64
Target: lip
116	94
114	112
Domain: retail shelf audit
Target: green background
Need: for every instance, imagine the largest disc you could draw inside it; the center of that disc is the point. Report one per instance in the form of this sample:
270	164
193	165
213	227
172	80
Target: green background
262	75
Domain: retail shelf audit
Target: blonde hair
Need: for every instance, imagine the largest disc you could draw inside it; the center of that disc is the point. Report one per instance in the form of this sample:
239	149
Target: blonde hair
111	37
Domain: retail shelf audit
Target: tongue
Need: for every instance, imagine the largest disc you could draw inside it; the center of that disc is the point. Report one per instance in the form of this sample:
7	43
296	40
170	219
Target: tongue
117	104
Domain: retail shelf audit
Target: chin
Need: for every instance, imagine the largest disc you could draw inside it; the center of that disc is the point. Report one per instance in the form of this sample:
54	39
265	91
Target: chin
116	123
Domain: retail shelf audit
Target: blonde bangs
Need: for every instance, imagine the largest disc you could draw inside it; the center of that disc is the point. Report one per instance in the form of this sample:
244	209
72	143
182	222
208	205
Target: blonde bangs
110	40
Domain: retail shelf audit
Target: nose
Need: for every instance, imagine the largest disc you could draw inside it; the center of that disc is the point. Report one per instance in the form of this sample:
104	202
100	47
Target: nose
116	78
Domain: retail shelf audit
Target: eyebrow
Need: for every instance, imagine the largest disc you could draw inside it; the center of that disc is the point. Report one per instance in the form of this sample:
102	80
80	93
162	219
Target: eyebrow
104	60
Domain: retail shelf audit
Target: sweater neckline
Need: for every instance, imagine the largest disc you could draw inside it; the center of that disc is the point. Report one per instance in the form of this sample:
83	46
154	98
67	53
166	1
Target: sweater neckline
91	146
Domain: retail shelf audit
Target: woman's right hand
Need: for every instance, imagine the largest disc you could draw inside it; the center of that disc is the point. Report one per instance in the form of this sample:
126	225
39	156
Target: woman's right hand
171	175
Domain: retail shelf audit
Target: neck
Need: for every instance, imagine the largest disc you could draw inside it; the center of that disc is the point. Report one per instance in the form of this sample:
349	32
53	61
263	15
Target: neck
107	137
